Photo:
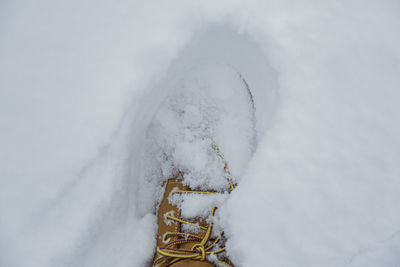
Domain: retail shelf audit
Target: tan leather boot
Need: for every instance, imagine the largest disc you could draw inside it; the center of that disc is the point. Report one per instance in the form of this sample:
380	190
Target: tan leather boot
176	248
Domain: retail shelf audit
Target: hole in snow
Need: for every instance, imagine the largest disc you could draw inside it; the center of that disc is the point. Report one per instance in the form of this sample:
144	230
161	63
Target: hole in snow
219	89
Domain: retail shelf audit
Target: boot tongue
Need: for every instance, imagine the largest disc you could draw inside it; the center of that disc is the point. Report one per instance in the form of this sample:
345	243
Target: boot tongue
191	263
199	205
192	245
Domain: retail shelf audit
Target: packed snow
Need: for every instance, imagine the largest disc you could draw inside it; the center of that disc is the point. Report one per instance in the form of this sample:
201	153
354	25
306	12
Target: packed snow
91	99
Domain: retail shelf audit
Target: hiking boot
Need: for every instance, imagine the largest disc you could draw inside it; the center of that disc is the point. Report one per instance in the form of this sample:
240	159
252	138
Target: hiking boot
209	109
187	242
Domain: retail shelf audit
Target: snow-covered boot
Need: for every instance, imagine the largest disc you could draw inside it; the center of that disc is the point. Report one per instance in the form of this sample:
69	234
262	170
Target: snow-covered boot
209	109
184	242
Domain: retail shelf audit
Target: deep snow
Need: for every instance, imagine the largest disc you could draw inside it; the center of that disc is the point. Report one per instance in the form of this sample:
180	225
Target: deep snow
81	81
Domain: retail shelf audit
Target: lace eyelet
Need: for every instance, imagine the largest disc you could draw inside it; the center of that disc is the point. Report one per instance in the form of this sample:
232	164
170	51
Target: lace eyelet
170	213
166	240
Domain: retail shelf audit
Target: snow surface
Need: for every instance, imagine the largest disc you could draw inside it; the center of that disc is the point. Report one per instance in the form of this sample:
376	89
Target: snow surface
81	81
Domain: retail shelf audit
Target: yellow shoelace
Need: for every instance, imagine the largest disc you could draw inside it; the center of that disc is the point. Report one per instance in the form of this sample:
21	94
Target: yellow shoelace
199	250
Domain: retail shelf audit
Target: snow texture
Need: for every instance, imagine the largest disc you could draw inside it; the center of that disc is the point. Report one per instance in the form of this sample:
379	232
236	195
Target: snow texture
87	97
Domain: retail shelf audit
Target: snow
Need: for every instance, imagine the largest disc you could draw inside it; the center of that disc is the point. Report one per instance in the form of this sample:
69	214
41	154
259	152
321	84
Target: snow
203	108
81	82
